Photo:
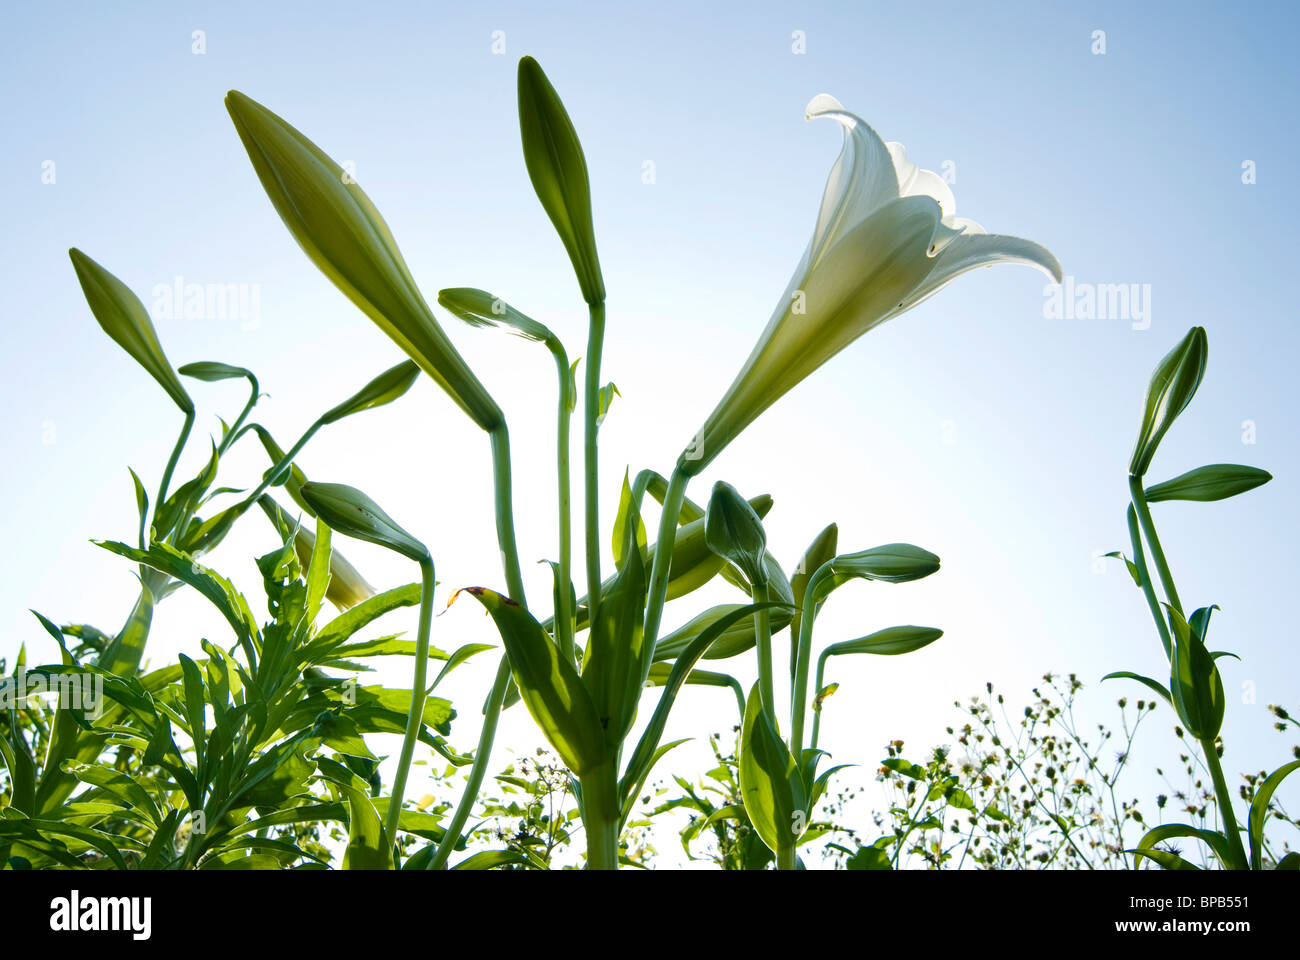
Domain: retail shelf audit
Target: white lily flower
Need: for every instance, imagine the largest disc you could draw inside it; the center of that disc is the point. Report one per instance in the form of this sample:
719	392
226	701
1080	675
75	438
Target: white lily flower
887	237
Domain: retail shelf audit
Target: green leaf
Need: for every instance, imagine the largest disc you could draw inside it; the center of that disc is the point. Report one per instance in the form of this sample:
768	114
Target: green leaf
628	513
1172	387
1155	685
1215	841
1218	481
910	770
558	171
385	388
124	318
343	627
1195	684
219	591
774	794
1259	810
350	512
344	235
604	400
638	768
489	859
1132	567
461	654
616	659
551	689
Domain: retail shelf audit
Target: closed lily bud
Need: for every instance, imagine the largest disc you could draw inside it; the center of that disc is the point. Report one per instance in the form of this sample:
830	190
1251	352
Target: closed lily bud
385	388
887	237
735	640
347	587
350	512
558	171
210	371
125	319
733	531
1217	481
479	308
344	235
1171	389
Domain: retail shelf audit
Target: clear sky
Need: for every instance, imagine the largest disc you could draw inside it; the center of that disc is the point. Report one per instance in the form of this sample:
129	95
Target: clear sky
979	426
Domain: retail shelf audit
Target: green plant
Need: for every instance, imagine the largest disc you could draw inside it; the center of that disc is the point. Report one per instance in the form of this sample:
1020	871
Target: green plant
1195	687
886	238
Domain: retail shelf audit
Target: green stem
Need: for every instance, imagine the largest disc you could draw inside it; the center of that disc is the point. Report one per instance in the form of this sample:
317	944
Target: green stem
565	623
817	714
233	433
505	518
416	717
1149	530
1148	589
172	460
1225	803
477	772
601	816
275	472
763	646
658	589
787	858
799	695
591	405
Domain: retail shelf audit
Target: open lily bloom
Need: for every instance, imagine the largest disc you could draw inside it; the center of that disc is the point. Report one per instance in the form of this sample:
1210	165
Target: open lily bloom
887	237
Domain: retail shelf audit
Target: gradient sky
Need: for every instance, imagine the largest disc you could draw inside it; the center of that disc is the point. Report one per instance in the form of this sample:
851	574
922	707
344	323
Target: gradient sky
976	426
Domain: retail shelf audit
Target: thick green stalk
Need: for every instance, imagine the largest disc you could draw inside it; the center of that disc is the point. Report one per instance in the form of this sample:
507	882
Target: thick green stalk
565	624
787	858
172	460
590	413
1225	803
799	692
1149	530
658	588
763	646
416	716
505	518
601	816
1148	589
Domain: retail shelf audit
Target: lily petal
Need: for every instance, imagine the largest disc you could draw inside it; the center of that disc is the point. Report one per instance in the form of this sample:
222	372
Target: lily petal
862	180
914	181
970	250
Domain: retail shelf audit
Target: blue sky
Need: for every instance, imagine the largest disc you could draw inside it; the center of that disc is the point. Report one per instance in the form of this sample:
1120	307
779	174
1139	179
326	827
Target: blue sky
976	426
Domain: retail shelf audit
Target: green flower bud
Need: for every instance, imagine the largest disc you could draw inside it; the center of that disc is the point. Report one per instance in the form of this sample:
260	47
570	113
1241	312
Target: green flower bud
350	512
124	318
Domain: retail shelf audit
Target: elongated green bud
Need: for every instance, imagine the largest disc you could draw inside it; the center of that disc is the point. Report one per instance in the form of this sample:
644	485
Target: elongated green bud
1171	389
344	235
385	388
1217	481
124	318
479	308
350	512
734	532
210	371
558	170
